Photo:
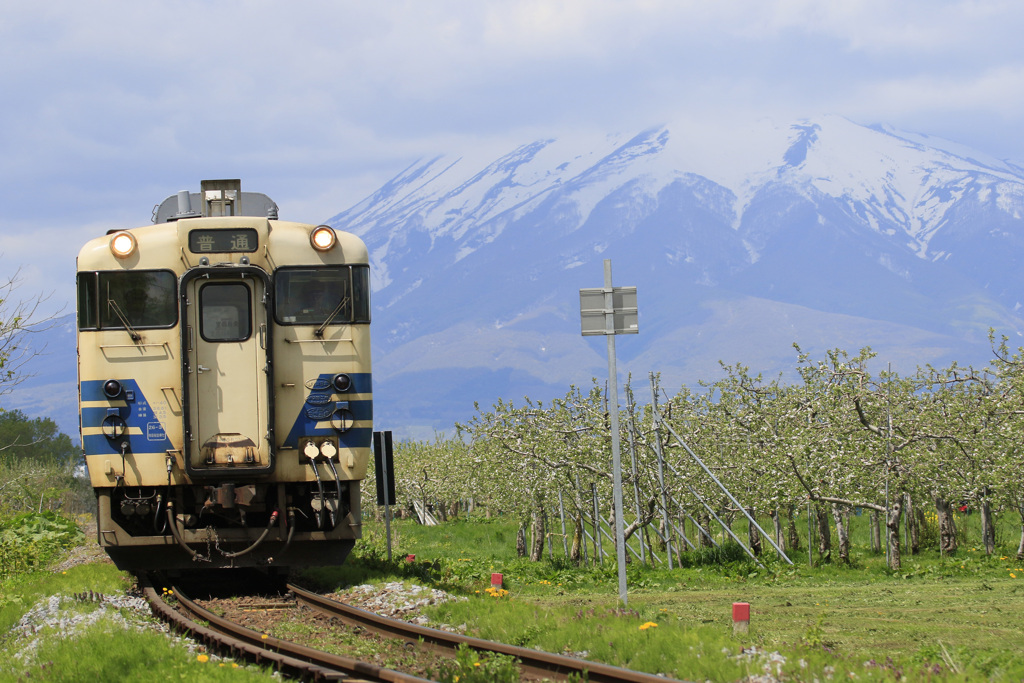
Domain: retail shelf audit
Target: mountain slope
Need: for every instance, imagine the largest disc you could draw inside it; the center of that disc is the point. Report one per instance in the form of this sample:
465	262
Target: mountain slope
824	233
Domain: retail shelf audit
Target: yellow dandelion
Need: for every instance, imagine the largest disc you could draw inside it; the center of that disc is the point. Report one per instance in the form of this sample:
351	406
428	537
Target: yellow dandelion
203	658
1013	576
476	663
647	625
264	636
234	665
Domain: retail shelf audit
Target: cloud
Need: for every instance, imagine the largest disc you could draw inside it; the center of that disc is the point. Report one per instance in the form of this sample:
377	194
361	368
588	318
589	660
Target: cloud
113	105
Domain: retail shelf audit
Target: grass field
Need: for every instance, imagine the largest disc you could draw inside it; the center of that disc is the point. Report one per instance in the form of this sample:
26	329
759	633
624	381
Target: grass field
939	618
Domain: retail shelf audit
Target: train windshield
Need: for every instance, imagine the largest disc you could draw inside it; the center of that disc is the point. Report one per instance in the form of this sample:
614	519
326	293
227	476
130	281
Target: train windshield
336	295
127	299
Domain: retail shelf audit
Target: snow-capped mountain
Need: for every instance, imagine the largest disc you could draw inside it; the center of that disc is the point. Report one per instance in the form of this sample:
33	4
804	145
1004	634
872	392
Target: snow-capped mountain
824	232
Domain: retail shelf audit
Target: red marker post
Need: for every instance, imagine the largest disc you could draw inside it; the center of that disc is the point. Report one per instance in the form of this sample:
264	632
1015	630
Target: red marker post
740	617
496	580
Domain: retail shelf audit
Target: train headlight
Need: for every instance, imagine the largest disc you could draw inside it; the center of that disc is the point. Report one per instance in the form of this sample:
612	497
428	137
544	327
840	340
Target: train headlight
323	237
112	388
123	244
341	382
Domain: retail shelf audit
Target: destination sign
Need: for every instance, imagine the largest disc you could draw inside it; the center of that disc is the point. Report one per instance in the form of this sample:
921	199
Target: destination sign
222	241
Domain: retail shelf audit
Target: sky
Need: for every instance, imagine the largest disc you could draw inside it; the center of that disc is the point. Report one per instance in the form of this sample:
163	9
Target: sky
112	106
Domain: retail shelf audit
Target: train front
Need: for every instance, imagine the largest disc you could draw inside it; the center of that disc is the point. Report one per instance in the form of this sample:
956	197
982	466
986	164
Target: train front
225	386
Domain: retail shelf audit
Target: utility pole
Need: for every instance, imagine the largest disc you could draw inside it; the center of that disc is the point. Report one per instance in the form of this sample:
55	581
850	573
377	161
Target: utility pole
609	311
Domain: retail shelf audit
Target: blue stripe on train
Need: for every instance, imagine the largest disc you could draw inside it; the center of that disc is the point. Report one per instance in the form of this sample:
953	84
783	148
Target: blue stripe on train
322	400
137	414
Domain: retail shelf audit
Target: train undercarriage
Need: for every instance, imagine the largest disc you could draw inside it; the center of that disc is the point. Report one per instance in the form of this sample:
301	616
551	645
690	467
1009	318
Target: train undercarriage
270	525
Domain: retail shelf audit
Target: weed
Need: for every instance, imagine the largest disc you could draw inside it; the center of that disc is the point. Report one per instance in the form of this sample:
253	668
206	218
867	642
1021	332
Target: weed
470	667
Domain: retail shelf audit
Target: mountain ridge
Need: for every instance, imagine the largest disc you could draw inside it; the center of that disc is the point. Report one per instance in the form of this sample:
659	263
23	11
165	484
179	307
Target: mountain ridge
820	232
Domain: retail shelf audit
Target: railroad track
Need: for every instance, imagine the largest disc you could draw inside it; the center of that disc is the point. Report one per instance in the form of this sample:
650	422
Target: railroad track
307	663
292	659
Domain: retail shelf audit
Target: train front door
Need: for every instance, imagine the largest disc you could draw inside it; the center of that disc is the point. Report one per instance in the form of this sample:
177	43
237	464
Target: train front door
228	374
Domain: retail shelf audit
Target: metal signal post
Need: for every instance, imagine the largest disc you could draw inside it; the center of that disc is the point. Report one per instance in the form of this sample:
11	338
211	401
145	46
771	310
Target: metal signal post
609	311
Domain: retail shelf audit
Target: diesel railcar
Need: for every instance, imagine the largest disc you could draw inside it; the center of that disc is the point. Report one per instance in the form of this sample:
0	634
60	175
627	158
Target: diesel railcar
224	385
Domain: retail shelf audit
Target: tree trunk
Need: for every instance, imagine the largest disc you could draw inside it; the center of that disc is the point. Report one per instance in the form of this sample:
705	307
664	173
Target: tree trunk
1020	548
794	535
521	540
947	526
537	551
705	521
753	535
442	512
647	537
777	521
842	533
876	533
824	534
919	522
988	529
576	552
892	523
913	524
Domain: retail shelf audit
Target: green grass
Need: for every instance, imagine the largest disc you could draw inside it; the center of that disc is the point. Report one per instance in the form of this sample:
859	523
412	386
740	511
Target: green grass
939	618
118	645
109	652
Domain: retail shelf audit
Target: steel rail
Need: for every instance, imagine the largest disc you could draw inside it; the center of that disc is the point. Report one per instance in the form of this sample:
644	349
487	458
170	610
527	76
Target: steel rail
288	657
532	661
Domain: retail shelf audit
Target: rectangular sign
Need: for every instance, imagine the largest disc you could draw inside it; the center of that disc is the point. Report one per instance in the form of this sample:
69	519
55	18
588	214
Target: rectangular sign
384	467
222	241
594	315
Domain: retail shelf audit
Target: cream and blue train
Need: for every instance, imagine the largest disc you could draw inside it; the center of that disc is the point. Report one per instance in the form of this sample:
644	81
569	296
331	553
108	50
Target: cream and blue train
225	385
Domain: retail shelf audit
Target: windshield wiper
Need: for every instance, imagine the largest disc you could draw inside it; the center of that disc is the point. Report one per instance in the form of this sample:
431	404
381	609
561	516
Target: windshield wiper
337	309
124	320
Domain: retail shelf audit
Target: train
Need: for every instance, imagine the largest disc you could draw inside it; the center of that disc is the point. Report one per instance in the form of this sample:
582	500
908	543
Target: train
225	385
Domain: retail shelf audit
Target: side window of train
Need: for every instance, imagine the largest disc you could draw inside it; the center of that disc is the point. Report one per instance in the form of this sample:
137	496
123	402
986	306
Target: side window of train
142	299
225	312
311	296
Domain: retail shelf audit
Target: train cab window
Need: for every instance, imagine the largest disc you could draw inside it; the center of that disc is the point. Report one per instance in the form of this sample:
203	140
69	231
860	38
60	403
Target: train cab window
87	308
337	295
136	299
225	312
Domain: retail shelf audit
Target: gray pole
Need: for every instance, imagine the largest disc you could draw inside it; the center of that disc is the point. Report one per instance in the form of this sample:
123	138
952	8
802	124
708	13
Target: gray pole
613	410
561	513
661	471
810	540
888	459
636	482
